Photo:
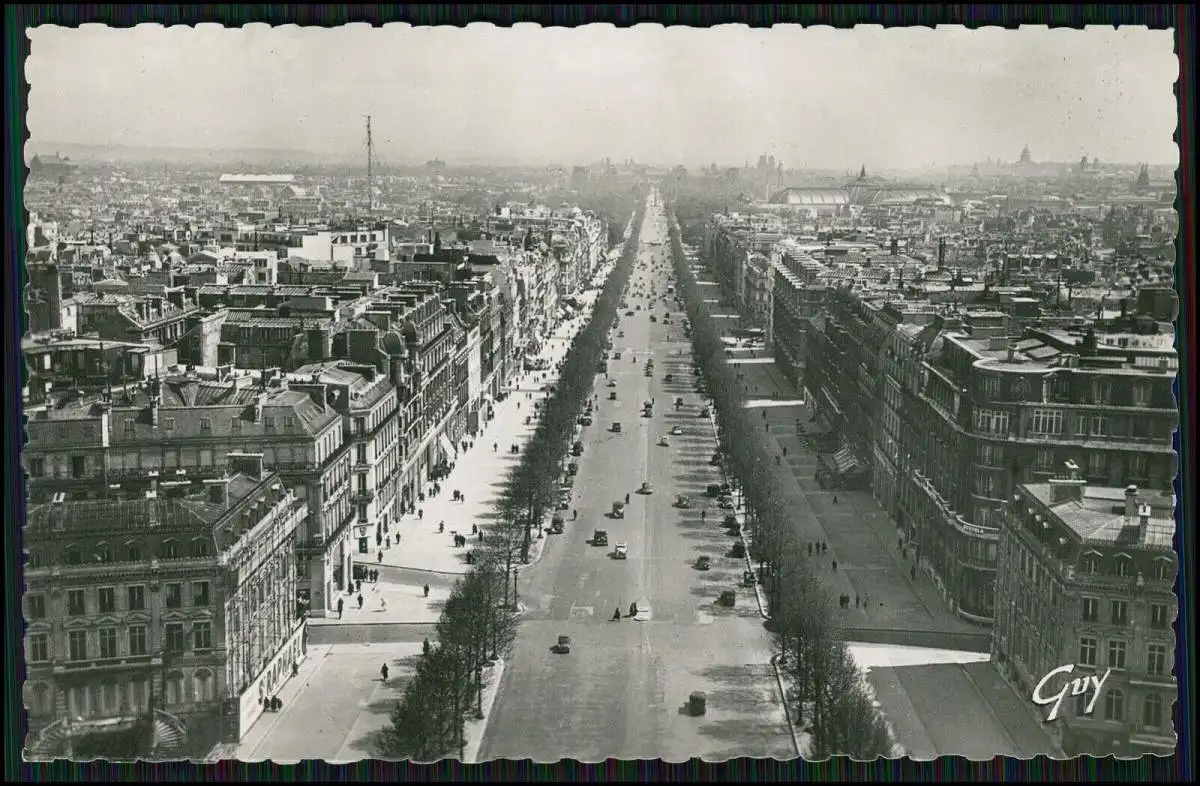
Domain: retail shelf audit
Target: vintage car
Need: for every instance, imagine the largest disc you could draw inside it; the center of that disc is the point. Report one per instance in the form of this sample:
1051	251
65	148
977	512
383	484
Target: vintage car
669	378
612	395
572	468
621	551
725	502
664	442
676	431
600	538
616	427
612	383
647	488
682	501
704	412
703	562
618	510
562	646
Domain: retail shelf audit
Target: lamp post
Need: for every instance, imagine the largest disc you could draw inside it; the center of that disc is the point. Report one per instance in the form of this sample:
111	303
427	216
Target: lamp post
516	573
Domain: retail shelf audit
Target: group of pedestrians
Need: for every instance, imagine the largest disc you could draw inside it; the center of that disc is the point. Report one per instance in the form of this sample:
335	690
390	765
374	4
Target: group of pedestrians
863	602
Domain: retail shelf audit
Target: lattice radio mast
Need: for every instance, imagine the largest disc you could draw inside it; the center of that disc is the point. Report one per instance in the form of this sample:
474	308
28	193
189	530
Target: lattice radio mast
370	171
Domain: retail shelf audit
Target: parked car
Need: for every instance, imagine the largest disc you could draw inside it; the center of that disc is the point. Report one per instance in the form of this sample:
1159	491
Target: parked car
647	488
682	501
612	383
664	442
725	503
621	551
704	562
585	420
704	412
577	448
676	431
616	428
618	510
572	468
600	538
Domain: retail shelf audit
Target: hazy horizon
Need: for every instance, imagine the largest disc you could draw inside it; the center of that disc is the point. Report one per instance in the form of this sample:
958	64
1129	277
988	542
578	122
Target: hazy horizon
814	98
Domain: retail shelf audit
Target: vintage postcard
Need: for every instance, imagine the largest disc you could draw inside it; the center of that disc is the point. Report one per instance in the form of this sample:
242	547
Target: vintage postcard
478	393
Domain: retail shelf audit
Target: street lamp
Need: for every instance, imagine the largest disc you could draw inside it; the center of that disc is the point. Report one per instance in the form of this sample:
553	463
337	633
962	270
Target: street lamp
515	575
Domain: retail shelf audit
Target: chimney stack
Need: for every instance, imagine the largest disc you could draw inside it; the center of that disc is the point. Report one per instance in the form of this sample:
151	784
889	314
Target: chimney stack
1012	351
218	491
1069	489
1131	501
1144	511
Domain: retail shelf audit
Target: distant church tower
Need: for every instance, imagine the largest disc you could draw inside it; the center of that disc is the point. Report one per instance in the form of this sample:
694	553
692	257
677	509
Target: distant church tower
862	173
1026	156
1143	180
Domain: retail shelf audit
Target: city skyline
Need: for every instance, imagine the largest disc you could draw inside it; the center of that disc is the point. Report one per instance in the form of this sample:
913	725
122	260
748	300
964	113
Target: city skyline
983	94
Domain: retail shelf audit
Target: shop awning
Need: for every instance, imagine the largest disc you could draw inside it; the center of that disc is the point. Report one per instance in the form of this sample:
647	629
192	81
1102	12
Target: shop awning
845	461
447	447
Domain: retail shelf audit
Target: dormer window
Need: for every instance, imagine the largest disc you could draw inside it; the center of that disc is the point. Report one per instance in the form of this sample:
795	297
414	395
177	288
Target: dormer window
170	549
200	548
104	554
1090	565
1162	570
73	556
1123	566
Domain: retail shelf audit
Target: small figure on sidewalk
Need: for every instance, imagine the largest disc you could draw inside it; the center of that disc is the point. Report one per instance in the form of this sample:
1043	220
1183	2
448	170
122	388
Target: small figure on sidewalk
810	549
835	499
495	446
381	555
834	563
441	527
383	672
474	529
382	604
426	588
856	601
420	513
425	647
824	547
912	573
617	614
481	536
340	606
866	601
360	602
358	585
626	499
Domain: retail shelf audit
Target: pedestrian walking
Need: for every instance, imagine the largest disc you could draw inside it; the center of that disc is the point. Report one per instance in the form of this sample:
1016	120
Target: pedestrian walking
835	499
426	588
824	547
810	549
420	513
441	527
856	601
381	555
340	606
360	601
382	604
834	563
866	601
912	573
358	585
495	446
383	672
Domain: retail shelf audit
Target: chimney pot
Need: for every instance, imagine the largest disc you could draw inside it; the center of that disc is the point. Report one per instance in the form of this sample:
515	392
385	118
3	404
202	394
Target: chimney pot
1131	501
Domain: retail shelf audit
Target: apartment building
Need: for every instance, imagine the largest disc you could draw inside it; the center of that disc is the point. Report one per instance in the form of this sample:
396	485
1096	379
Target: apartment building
1087	579
184	426
159	623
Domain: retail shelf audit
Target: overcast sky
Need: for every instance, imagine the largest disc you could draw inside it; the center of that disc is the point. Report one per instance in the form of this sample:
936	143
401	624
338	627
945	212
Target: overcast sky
896	98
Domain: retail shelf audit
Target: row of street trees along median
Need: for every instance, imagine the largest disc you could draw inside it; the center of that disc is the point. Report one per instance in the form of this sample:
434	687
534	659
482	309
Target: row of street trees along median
828	693
479	621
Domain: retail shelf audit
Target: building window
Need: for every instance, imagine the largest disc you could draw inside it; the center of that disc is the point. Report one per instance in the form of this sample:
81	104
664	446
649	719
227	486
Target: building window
1162	570
1123	567
174	595
1159	619
106	599
1137	466
137	640
1101	390
991	422
1087	651
73	556
235	424
1156	660
104	554
360	426
170	549
76	605
130	426
108	642
1141	393
205	686
1091	610
173	688
1097	465
136	597
202	635
362	513
77	645
1043	461
1152	711
35	607
37	467
269	421
39	648
168	424
205	424
991	387
1091	566
173	638
360	454
200	548
133	553
1120	612
985	485
1046	422
200	593
1114	705
1099	426
1116	654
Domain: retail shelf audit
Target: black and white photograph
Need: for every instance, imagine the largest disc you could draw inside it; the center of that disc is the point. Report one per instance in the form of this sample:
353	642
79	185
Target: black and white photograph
477	393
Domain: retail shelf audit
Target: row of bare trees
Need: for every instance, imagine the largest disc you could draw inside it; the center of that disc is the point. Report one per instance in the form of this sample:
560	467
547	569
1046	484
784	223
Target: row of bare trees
479	621
828	694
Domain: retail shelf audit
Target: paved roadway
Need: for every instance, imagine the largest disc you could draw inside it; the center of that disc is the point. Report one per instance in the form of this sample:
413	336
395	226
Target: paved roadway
620	692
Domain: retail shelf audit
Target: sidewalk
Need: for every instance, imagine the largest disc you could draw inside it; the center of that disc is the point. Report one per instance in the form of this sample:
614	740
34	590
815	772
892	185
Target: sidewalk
859	534
479	473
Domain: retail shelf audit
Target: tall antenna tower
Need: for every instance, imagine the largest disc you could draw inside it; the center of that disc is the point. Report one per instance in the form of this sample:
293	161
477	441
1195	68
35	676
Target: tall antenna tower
370	171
